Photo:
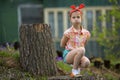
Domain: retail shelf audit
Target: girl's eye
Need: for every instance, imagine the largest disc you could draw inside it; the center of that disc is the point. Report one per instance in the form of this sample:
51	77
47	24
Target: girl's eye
78	16
73	17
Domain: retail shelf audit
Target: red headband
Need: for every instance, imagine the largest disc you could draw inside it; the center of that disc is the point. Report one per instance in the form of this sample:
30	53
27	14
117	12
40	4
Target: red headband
74	8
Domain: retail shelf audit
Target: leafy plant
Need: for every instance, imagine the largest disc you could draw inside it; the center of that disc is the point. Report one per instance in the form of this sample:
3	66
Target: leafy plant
109	38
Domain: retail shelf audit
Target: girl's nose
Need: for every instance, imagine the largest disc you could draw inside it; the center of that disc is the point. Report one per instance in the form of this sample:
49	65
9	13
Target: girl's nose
76	19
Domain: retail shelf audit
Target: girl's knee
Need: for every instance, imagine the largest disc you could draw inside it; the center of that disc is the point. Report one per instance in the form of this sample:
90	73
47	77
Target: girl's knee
85	64
81	51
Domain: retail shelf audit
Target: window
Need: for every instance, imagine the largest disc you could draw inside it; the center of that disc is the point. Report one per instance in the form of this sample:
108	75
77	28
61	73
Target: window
58	20
29	14
89	18
51	22
98	20
108	20
60	24
68	17
58	17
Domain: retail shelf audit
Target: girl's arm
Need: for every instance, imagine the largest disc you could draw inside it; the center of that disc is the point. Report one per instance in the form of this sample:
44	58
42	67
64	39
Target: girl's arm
63	41
88	37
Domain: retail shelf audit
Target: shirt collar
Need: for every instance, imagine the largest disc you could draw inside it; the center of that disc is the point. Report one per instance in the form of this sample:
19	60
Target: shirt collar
74	30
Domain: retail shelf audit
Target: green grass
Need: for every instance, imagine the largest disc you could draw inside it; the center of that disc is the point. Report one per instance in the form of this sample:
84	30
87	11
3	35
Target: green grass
67	68
110	77
14	55
4	54
64	66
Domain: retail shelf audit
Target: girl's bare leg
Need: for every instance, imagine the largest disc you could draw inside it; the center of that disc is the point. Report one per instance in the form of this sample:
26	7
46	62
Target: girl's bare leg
74	57
84	63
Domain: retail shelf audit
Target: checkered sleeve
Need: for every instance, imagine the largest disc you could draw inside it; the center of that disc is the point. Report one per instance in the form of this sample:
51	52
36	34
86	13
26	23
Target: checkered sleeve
67	33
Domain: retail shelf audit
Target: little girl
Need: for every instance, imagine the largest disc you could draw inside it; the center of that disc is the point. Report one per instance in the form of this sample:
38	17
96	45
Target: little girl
74	40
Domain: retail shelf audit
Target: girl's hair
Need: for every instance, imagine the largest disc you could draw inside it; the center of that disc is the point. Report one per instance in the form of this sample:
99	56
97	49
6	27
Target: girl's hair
74	8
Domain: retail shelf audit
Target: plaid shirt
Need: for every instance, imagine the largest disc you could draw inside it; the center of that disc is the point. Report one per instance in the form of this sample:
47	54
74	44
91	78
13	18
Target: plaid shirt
76	38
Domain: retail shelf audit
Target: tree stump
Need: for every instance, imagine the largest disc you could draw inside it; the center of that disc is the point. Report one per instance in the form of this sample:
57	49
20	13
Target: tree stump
37	50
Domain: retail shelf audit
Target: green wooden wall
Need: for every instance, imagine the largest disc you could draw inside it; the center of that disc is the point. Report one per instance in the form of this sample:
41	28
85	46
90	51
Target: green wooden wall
67	3
9	18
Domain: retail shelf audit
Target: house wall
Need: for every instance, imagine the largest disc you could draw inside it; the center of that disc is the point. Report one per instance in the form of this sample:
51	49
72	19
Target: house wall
9	18
67	3
8	25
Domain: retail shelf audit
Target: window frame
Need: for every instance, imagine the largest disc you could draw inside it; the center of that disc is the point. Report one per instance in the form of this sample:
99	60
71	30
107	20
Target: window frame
65	17
25	6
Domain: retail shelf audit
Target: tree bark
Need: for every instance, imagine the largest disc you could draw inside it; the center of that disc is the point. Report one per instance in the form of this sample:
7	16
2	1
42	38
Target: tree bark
37	50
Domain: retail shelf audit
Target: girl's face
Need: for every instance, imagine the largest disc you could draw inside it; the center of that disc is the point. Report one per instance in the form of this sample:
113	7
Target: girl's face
76	18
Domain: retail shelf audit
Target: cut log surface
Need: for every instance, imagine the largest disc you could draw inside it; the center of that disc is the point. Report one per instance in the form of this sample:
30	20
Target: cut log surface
64	78
83	77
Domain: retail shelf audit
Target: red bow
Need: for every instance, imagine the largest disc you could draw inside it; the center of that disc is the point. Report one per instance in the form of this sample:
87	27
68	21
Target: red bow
74	8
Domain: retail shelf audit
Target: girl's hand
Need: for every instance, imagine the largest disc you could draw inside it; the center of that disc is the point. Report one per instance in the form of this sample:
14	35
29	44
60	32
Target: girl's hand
63	41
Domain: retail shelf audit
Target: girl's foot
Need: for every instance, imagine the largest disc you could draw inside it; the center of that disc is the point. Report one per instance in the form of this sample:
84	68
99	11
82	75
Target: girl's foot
75	73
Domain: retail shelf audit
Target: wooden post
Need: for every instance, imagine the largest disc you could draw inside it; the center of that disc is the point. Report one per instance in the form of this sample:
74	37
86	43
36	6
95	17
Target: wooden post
37	50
